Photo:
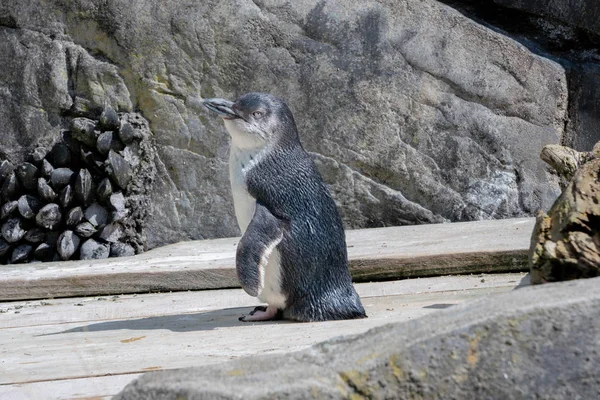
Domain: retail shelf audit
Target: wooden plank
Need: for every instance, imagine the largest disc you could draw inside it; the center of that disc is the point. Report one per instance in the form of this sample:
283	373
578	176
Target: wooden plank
374	254
97	388
171	338
88	309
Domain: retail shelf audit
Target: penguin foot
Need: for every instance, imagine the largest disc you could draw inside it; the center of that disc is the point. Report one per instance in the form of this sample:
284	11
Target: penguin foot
262	313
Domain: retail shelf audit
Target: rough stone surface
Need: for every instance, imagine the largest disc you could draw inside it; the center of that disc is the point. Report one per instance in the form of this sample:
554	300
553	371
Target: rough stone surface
424	109
534	342
565	243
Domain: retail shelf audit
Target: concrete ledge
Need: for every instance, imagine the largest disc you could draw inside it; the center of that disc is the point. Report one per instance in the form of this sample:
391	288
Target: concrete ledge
374	254
535	342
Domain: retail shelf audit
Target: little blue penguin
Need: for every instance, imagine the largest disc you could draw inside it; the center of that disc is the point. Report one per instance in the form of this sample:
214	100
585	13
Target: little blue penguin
292	254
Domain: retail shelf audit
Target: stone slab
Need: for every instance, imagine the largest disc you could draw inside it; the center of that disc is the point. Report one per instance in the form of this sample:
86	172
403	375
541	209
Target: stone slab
536	342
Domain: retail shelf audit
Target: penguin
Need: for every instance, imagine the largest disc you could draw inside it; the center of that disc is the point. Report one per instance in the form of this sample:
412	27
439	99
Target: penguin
292	254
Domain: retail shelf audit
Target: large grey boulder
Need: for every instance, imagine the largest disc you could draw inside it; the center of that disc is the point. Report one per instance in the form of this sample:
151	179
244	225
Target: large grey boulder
414	112
536	342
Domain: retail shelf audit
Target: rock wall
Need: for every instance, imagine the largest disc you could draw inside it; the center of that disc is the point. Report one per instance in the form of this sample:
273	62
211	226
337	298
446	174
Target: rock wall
415	112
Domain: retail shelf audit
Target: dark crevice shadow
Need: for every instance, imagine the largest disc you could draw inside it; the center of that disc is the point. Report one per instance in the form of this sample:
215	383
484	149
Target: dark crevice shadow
203	321
439	306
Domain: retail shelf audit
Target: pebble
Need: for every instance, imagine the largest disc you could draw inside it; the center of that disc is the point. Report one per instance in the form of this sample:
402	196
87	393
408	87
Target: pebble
93	250
71	143
37	155
47	168
128	133
11	187
92	159
74	216
52	238
109	120
96	215
35	235
43	251
117	216
67	244
83	187
45	191
4	247
118	169
112	233
12	230
27	174
121	250
8	208
66	196
28	206
6	168
117	201
83	130
104	189
49	216
85	229
20	253
61	154
104	142
61	177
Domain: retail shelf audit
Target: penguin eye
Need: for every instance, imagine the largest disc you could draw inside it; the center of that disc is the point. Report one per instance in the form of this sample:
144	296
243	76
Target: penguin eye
257	114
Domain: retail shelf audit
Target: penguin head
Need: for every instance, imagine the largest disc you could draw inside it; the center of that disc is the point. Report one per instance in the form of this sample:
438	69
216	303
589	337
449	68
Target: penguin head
256	119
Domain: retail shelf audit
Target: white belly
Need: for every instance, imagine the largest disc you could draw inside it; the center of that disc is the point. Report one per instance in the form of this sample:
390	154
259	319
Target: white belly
242	158
243	202
271	282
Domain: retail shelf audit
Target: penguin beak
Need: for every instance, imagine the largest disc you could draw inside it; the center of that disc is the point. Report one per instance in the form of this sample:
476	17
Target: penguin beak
222	107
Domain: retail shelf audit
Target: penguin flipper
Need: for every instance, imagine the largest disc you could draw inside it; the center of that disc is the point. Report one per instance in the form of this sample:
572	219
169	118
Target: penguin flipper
263	234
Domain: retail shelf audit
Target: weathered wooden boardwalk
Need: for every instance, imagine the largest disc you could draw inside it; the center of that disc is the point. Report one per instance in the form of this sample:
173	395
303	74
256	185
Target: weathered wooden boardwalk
91	347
